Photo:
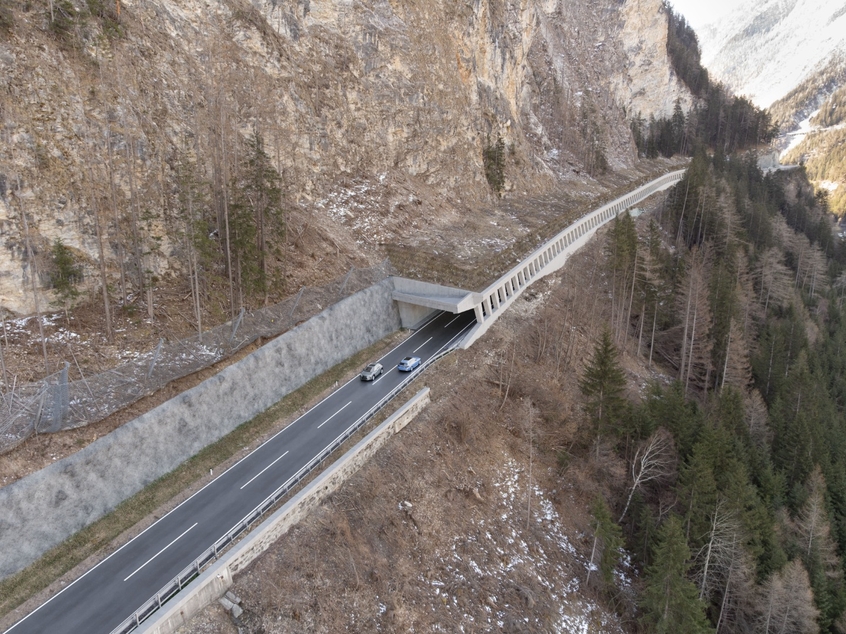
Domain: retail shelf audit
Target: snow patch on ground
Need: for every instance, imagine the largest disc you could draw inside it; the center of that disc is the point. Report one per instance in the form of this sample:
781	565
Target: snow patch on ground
502	546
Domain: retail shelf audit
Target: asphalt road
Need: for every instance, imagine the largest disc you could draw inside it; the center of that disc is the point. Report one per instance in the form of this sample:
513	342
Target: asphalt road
110	592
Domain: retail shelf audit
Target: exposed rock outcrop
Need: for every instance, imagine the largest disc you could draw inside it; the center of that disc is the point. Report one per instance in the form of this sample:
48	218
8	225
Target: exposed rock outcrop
648	84
99	122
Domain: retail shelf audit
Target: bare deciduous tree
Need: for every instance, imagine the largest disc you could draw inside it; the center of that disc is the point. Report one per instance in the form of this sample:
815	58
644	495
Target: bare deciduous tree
695	357
757	419
725	572
774	280
813	528
736	371
786	602
655	459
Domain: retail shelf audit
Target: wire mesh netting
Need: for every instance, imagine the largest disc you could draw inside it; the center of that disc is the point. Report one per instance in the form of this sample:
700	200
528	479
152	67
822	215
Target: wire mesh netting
55	403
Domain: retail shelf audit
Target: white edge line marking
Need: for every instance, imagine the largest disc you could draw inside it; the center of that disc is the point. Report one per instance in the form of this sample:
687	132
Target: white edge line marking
333	415
161	551
93	568
263	470
453	319
422	344
208	484
326	398
448	343
384	374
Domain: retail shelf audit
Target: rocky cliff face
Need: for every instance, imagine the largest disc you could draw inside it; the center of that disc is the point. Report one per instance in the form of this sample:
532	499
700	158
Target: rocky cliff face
648	83
360	102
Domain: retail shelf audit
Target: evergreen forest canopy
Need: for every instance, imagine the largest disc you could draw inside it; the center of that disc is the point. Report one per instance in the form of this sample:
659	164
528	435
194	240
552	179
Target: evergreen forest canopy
735	505
823	153
722	121
735	509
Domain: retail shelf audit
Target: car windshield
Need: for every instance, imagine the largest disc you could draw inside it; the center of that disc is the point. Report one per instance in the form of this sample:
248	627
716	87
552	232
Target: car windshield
407	359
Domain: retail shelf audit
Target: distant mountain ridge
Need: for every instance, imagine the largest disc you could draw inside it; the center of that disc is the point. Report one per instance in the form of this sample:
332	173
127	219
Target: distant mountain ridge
765	49
801	102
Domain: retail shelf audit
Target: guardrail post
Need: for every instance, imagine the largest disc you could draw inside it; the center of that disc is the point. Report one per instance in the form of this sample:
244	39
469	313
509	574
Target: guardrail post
296	303
155	359
236	325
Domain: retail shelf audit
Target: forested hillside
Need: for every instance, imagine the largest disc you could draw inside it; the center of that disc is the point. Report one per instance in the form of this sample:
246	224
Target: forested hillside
735	507
820	101
824	155
682	470
723	121
809	95
823	152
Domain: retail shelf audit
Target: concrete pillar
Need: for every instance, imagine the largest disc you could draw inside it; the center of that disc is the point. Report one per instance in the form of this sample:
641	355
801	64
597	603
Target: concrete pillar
495	300
479	316
487	304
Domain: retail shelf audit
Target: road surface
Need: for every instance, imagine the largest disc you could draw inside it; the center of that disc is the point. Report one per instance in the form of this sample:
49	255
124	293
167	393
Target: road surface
112	591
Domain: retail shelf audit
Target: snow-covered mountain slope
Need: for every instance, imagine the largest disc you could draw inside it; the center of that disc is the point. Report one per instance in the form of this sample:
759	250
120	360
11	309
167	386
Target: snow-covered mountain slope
763	49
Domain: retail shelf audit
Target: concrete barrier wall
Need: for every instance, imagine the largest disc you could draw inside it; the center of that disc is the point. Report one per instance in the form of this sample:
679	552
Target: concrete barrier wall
552	255
213	583
45	508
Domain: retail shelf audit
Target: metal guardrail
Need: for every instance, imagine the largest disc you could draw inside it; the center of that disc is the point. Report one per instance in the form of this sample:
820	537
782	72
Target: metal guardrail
172	588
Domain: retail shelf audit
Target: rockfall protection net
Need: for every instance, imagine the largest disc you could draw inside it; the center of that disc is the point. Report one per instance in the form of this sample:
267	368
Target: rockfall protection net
55	403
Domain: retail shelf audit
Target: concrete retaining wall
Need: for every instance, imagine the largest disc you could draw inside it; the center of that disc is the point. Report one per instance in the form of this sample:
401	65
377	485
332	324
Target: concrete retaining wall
45	508
418	300
213	583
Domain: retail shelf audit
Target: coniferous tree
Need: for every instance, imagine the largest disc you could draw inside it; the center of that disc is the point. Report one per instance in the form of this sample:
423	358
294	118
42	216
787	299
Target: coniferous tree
257	220
602	384
607	542
671	601
65	274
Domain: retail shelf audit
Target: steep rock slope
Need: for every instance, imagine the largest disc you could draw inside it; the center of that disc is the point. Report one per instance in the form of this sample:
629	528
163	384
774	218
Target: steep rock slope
649	85
376	104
